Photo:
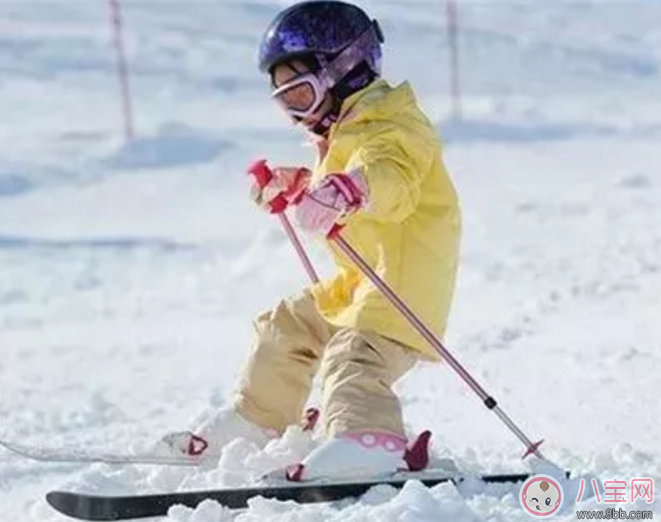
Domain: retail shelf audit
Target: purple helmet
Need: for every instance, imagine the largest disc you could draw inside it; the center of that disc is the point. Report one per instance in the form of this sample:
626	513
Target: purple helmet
340	37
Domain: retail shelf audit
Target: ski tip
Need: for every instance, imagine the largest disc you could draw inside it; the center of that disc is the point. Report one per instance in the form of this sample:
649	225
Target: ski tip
73	505
62	502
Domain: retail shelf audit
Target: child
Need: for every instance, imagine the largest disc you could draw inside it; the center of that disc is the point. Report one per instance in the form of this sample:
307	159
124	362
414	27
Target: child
379	172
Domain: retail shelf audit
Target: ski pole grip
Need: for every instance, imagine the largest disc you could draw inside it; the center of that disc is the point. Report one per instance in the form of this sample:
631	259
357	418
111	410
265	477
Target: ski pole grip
262	172
263	175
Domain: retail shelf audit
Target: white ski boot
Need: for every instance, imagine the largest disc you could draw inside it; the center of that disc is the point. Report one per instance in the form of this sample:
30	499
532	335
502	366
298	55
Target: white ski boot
207	440
362	454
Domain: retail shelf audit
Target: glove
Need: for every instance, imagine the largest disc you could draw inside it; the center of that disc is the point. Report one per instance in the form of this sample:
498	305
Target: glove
336	196
288	182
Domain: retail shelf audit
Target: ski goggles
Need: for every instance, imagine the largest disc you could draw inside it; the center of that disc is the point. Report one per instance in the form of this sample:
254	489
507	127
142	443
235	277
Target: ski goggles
301	96
304	93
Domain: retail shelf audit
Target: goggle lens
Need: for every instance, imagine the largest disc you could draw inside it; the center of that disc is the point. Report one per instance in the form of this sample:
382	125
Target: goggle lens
300	96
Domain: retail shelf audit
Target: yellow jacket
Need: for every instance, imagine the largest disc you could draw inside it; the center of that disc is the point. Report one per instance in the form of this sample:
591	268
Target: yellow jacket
410	231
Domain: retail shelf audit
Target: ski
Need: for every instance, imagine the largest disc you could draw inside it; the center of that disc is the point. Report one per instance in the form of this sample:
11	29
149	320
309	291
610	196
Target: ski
75	456
98	507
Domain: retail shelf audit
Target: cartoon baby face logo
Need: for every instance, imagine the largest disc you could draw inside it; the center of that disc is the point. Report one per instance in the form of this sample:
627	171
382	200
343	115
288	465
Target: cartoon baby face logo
541	496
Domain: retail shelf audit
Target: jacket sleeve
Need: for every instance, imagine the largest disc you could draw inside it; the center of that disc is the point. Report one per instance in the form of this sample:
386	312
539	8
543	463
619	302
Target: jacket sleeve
394	173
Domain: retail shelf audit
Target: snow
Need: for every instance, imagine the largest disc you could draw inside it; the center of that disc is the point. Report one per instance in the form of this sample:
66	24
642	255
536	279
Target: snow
130	272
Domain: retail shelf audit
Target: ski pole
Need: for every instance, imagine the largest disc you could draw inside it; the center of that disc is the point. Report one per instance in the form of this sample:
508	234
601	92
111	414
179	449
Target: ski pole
291	233
402	307
263	175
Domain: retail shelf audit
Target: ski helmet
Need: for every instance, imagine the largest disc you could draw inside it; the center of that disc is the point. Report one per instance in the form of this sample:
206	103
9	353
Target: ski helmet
339	40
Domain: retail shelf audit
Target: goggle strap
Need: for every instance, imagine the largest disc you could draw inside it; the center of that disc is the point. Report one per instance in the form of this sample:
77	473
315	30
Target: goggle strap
351	56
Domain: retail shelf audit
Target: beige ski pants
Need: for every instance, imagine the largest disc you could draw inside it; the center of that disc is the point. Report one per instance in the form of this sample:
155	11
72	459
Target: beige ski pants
357	370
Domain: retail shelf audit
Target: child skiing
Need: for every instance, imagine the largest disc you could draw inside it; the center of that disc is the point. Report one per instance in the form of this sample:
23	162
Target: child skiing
379	173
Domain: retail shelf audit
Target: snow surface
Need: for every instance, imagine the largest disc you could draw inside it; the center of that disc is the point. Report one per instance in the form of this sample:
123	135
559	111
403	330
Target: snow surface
129	272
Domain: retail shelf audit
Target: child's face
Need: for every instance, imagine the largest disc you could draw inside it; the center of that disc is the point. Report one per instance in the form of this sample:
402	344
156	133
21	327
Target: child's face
542	497
302	95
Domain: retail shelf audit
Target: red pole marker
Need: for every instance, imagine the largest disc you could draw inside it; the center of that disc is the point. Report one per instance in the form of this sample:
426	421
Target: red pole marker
453	41
122	68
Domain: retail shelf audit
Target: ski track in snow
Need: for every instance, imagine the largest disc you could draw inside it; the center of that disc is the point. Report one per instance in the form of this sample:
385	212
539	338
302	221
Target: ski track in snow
130	272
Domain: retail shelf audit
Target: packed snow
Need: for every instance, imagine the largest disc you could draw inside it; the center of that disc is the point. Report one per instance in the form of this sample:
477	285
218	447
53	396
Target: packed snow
130	271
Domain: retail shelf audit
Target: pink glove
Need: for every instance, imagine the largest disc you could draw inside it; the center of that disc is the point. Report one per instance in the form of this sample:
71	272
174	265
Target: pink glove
288	182
337	195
